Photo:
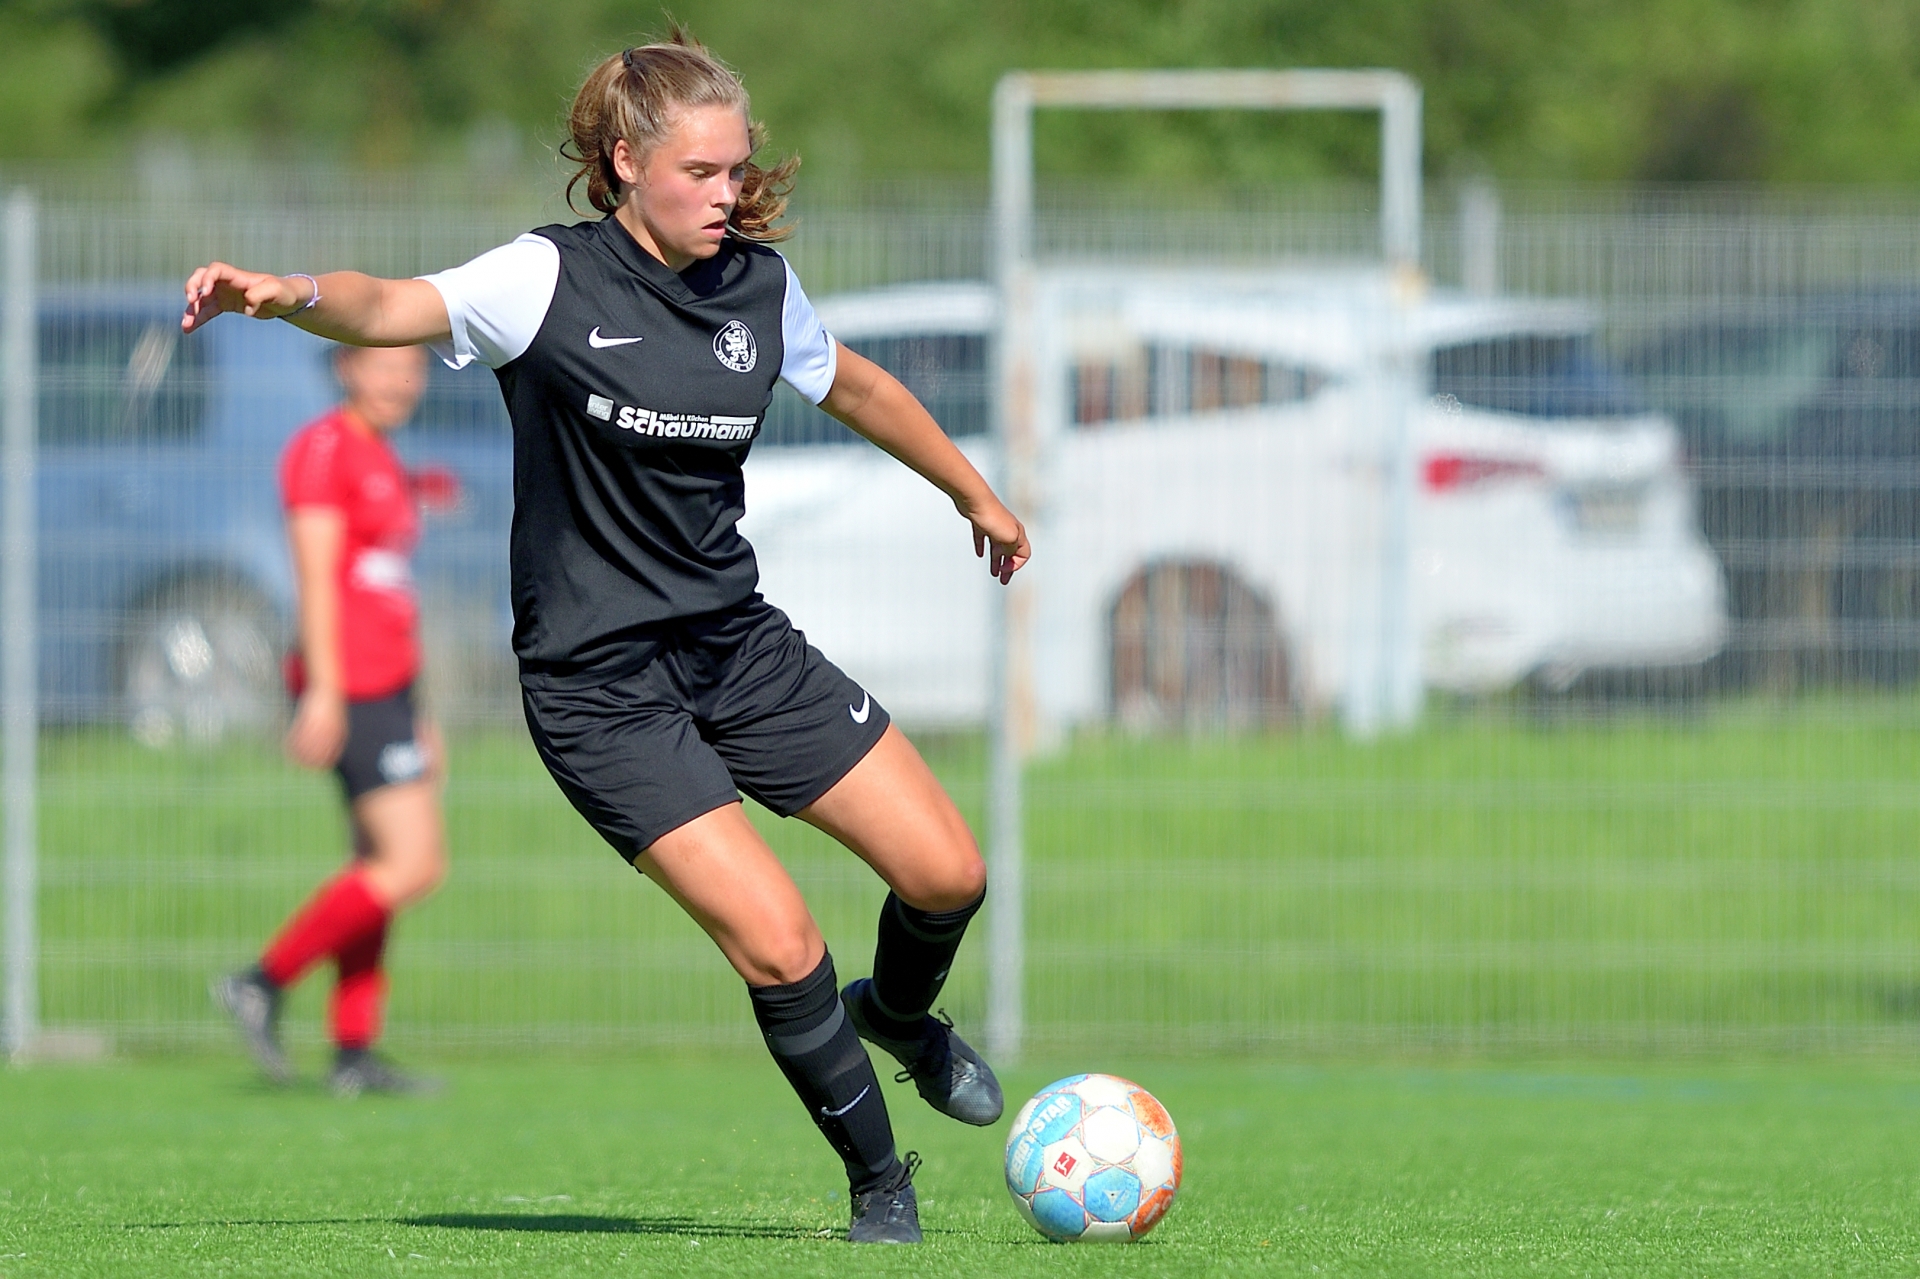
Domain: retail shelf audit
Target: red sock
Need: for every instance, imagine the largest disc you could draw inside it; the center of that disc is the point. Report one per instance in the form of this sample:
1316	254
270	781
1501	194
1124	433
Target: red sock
360	994
343	911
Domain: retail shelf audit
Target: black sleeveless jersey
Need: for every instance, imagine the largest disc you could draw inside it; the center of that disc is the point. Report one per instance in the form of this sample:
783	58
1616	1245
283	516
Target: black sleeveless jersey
633	407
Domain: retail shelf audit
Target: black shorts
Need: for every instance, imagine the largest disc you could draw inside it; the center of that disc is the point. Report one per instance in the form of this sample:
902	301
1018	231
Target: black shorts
381	747
732	702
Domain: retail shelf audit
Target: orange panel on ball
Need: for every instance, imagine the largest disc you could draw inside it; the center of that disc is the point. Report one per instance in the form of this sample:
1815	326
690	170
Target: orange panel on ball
1152	1115
1152	1207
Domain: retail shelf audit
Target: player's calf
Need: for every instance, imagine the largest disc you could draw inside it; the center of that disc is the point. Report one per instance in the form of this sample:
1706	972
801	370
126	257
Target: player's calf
815	1045
911	959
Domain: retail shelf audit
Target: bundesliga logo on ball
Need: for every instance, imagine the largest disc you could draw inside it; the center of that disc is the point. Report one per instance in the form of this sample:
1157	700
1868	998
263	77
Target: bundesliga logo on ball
1093	1157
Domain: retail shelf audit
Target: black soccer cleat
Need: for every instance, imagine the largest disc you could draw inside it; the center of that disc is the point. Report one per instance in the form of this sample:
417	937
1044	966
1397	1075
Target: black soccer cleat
946	1072
254	1004
356	1071
888	1215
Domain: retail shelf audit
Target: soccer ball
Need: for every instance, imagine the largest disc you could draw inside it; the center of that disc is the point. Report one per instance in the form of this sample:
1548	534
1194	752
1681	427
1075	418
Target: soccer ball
1093	1157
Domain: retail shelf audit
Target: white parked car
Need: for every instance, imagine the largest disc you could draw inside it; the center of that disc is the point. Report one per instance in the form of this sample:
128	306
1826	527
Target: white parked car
1209	541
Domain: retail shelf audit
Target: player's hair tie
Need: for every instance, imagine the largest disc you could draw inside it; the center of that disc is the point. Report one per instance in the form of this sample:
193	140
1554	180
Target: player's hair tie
626	60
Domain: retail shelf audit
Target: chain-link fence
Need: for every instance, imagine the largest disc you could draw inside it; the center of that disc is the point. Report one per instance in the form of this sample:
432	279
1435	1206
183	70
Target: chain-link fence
1664	575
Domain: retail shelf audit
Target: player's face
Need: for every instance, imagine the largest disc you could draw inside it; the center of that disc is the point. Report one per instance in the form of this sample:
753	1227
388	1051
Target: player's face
383	383
690	183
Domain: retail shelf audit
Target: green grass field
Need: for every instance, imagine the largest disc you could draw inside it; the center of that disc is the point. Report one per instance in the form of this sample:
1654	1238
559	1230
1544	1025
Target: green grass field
663	1165
1335	963
1741	879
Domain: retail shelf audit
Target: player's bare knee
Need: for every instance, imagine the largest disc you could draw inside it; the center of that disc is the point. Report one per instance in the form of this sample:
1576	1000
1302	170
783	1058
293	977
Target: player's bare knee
410	870
954	885
960	873
787	958
970	880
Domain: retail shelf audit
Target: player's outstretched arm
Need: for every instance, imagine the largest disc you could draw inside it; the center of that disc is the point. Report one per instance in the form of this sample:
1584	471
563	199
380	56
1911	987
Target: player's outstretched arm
871	401
360	310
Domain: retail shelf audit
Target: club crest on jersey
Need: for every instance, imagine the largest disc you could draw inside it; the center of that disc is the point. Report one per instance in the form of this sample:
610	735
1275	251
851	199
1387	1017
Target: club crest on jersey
733	346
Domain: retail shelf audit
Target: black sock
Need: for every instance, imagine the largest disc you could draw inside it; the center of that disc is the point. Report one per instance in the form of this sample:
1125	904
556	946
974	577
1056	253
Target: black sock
910	962
817	1050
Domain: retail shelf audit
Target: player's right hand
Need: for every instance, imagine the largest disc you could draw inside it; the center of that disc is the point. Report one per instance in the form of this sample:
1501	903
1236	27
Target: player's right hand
217	287
319	731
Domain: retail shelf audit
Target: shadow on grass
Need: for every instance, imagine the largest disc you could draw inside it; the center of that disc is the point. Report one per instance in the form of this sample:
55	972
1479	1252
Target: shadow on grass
251	1221
579	1223
559	1223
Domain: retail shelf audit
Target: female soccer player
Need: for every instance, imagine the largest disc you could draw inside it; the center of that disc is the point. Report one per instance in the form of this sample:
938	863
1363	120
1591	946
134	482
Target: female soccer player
637	354
352	522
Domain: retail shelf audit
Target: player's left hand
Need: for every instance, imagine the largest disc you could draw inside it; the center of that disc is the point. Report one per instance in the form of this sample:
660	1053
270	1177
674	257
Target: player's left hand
1000	539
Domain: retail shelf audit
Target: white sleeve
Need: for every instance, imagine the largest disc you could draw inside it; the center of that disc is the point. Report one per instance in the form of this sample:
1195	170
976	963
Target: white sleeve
811	358
497	302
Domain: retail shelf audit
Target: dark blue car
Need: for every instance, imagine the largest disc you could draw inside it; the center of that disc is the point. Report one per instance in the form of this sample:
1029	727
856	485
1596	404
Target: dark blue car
1801	416
166	592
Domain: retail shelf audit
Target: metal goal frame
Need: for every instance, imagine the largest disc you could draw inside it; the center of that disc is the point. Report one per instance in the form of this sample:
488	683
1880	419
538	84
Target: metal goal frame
1013	718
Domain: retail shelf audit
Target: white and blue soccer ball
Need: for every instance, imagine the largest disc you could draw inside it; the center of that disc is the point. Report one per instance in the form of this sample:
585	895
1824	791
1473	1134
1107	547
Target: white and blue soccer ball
1093	1157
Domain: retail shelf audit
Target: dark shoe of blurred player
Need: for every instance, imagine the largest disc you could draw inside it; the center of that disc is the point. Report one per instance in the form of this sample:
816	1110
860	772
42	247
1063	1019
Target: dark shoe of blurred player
357	1071
254	1004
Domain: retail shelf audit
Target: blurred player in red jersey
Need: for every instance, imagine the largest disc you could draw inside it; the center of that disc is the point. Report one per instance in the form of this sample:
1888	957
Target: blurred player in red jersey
352	521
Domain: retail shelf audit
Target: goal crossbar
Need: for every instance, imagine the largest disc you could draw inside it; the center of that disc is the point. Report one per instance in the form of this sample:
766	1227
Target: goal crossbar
1394	95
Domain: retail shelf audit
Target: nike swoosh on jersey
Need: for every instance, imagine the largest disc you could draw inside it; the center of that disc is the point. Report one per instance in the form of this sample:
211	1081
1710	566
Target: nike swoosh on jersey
599	343
866	706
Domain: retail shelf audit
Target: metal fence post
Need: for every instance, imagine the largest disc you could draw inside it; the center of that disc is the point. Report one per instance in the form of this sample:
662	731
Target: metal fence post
1402	683
18	694
1010	712
1480	238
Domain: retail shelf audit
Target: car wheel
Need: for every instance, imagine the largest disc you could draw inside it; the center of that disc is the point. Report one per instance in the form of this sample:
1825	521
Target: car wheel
1194	646
198	664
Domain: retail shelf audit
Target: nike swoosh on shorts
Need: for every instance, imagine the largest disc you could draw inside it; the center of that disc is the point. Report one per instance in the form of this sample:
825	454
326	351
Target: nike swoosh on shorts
866	707
599	343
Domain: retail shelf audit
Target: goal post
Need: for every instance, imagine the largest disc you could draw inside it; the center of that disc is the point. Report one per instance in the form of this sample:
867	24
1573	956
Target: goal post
19	720
1389	695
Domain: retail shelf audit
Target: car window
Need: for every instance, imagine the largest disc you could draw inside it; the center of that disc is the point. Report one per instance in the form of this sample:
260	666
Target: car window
1162	380
466	404
1878	367
947	372
1747	384
119	379
1534	375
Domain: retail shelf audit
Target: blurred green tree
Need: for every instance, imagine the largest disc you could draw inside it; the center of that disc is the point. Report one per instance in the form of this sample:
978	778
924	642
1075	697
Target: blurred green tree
1668	90
152	37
